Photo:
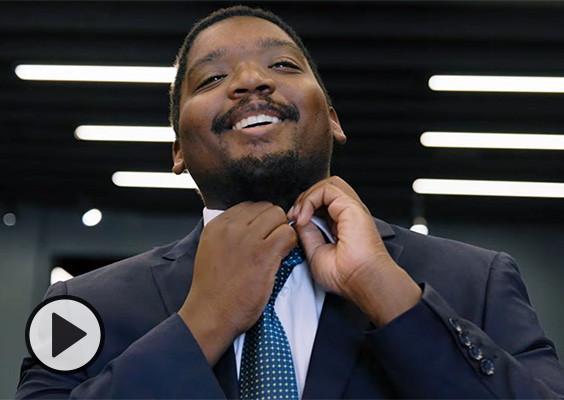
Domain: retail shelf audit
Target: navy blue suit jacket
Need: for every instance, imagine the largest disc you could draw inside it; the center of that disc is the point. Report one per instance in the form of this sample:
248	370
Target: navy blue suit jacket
150	353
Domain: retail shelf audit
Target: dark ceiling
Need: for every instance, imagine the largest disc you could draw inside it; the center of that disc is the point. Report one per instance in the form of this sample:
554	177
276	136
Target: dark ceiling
376	58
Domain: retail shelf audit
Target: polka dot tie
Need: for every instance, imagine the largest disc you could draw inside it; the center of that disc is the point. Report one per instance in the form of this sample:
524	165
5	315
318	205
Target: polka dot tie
267	369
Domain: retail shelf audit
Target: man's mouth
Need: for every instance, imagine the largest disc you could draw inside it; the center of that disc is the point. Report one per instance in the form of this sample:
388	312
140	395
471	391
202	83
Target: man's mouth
253	114
255	120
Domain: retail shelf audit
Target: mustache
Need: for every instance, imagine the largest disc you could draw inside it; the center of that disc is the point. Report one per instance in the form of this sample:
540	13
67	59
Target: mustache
225	122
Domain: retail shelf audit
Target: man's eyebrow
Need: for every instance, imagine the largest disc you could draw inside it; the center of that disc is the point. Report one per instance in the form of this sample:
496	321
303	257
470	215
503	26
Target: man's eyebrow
266	43
207	59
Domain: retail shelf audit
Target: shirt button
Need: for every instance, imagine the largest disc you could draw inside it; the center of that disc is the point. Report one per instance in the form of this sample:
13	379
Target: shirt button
487	366
285	292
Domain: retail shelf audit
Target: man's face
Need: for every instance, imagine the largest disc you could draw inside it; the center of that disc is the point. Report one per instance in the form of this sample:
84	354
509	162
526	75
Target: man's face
250	104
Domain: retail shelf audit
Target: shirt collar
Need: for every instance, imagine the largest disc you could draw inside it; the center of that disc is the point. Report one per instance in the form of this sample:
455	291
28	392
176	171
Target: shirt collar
210	214
319	222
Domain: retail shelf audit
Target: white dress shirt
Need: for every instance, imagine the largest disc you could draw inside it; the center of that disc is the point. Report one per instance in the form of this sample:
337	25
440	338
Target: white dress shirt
298	307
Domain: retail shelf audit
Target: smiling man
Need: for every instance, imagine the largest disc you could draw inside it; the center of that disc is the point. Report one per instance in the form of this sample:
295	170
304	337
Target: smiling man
290	288
251	111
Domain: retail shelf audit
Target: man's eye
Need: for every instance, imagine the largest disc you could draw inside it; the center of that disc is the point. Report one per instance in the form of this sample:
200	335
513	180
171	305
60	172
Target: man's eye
209	80
284	64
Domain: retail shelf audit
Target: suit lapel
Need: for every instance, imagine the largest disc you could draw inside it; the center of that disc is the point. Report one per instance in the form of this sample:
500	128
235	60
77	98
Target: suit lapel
173	278
340	337
174	275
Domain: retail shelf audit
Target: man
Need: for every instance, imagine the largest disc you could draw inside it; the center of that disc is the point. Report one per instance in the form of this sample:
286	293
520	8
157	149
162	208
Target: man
374	311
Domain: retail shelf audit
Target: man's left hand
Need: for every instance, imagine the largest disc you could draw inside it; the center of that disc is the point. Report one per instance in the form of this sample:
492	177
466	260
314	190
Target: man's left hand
357	266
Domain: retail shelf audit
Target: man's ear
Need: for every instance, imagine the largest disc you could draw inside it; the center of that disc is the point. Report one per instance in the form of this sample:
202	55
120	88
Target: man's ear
338	133
178	166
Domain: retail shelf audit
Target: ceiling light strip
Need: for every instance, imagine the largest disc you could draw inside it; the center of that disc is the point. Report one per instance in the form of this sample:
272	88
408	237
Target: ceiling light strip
117	133
483	140
95	73
155	180
488	188
510	84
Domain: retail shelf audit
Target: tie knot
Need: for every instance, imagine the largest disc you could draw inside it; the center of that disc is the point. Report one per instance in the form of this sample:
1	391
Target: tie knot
295	257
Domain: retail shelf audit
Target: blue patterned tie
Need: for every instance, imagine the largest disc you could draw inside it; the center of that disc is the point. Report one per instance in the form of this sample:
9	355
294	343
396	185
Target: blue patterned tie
267	369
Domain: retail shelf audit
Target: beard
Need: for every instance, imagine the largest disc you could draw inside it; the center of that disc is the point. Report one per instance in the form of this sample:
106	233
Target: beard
276	178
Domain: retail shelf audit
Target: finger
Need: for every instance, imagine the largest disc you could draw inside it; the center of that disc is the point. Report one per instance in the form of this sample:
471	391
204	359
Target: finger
348	190
296	208
321	196
243	212
267	220
253	209
281	240
236	221
333	180
311	238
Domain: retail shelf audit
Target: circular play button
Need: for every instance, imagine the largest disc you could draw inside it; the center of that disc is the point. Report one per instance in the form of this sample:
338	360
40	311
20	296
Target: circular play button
65	334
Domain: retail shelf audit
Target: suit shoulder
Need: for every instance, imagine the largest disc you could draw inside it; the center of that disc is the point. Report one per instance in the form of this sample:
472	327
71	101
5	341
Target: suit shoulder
460	272
121	274
443	261
433	247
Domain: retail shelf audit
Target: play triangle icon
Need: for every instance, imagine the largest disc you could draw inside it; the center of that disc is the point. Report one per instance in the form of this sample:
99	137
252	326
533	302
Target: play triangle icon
64	334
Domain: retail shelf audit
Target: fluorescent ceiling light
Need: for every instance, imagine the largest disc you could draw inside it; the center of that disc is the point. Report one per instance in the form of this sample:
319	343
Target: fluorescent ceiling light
95	73
160	180
488	188
477	140
476	83
125	133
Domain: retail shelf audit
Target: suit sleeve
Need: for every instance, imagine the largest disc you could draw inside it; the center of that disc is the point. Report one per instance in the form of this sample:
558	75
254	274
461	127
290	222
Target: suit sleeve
430	352
164	363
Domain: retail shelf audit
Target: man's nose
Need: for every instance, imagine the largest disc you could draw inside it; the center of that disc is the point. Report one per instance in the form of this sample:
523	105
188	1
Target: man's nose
250	78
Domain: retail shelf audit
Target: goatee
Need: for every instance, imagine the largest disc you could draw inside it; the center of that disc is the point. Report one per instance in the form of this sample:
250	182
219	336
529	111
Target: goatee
276	178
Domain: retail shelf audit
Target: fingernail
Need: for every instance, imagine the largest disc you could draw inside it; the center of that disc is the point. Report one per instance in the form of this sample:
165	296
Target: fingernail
290	211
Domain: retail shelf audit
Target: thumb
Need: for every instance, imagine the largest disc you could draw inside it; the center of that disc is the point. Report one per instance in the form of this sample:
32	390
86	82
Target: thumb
311	238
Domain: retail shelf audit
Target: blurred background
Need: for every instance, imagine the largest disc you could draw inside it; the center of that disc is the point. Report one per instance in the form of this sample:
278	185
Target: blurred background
377	59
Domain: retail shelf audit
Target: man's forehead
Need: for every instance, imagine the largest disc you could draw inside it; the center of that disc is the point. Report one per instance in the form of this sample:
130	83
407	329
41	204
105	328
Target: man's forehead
213	42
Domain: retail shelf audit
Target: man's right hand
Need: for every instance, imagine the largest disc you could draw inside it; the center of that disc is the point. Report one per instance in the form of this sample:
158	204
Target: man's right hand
239	254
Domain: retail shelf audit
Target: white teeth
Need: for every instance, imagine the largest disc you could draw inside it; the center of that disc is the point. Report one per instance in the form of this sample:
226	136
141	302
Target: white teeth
261	118
255	119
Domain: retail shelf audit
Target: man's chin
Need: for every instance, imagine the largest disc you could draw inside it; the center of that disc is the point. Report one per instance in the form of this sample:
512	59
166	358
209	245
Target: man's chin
276	178
257	152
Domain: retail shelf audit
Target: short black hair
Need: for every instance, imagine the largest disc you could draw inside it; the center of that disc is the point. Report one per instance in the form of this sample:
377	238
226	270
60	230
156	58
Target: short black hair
217	16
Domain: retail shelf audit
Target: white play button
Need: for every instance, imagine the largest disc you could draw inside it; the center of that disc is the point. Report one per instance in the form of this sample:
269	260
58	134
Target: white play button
64	333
